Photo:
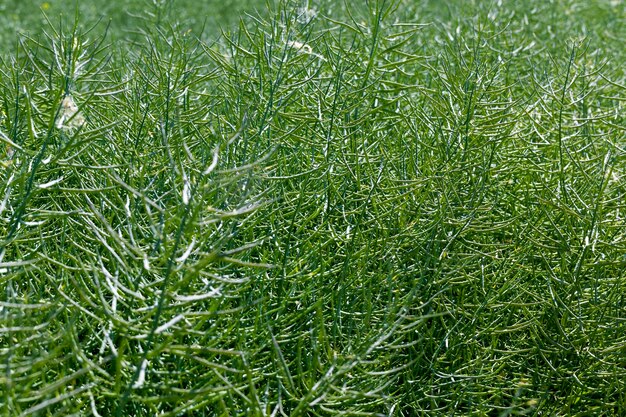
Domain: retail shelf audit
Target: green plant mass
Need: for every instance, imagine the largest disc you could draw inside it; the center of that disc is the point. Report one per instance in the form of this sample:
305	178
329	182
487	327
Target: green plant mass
312	208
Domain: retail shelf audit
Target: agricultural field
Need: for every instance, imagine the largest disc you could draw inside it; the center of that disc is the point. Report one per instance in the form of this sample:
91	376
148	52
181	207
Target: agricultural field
313	208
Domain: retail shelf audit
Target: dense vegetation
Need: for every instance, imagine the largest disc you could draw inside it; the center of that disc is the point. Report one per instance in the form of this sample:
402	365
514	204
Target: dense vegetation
387	208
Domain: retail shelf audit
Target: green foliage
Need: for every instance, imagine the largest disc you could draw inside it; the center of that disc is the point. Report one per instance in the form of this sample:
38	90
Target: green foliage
385	208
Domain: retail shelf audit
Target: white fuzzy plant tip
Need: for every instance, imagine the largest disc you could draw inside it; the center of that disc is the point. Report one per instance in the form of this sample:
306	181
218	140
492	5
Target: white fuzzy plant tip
69	116
305	15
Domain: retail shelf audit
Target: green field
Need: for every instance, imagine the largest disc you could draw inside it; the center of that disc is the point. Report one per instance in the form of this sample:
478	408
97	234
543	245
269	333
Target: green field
313	208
